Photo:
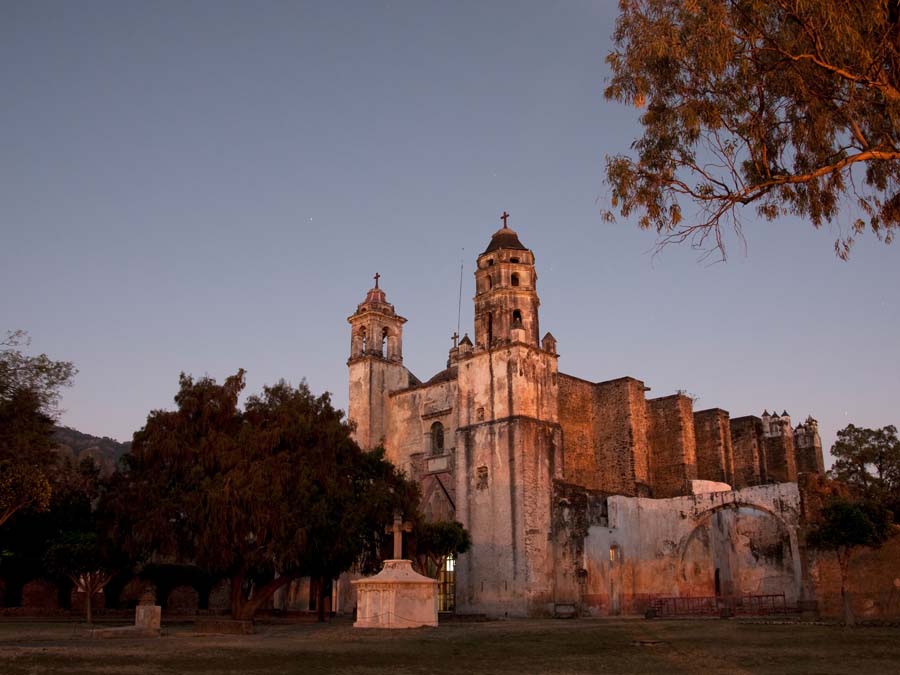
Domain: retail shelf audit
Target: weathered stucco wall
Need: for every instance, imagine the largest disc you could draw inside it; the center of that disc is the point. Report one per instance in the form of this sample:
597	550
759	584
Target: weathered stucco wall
503	499
372	379
637	548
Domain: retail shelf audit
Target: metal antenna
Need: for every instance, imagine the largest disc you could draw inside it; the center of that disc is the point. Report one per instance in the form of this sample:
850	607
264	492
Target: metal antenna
459	303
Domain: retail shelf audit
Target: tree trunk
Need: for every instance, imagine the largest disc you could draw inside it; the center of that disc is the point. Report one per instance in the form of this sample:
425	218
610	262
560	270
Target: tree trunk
246	609
847	610
320	600
237	594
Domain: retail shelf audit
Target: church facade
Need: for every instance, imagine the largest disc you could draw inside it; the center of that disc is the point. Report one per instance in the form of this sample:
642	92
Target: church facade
576	493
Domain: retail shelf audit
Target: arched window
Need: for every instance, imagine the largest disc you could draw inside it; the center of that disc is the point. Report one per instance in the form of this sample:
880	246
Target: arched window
490	330
517	318
437	438
490	282
384	338
513	260
362	339
515	279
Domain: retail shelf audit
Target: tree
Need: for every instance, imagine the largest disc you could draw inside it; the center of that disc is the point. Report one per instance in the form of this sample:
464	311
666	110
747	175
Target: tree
844	526
791	106
434	542
260	496
87	559
868	460
29	395
37	374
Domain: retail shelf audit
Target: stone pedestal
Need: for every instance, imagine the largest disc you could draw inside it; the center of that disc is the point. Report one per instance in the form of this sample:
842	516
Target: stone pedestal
396	597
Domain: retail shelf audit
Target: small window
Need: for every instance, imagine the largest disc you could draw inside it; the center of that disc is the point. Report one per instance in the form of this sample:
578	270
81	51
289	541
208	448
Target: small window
437	438
384	339
615	554
517	318
515	279
490	262
513	260
490	282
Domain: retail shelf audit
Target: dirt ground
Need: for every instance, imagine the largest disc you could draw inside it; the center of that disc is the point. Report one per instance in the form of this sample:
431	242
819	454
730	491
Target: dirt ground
527	646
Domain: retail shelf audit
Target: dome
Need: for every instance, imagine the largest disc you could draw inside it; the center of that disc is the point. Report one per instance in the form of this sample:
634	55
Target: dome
504	238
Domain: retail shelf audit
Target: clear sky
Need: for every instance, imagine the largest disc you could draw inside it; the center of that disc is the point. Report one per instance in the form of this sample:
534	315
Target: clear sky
205	186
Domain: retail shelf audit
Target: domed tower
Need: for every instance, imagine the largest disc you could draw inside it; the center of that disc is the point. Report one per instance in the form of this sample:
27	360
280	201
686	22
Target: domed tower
375	363
506	299
508	439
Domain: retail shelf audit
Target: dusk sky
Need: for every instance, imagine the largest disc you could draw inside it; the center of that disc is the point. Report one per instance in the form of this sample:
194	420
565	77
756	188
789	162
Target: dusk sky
207	186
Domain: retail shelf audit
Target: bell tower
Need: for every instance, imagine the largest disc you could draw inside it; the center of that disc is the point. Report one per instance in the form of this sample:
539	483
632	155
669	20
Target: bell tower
375	363
506	299
508	440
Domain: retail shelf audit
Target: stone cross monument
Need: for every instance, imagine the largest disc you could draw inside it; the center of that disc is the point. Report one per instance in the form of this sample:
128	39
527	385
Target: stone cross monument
396	597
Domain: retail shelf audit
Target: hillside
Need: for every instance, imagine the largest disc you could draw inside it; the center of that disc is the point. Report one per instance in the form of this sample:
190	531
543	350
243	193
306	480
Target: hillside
77	445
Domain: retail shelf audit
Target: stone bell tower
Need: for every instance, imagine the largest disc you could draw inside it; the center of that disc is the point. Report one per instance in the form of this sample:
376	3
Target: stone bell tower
375	363
509	444
506	300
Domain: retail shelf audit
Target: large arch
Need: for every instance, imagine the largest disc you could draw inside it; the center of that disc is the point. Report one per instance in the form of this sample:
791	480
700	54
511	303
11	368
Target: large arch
740	548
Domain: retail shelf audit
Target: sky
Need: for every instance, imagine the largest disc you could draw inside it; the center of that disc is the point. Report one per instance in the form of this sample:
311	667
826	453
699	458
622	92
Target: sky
207	186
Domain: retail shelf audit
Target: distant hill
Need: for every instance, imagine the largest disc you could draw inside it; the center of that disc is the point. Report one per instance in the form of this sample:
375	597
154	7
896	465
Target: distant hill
76	445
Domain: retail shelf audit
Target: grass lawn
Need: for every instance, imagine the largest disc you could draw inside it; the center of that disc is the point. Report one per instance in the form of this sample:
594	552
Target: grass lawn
537	646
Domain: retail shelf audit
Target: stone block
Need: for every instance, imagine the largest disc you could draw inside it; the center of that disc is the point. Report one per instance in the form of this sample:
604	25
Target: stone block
148	616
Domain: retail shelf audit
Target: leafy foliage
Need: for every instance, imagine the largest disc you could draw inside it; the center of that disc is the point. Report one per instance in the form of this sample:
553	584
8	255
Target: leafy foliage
71	513
279	487
436	541
792	106
87	558
869	461
29	393
37	374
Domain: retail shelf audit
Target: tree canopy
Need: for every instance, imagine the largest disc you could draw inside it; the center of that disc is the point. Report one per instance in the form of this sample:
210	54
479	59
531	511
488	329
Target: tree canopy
29	396
260	495
868	460
791	106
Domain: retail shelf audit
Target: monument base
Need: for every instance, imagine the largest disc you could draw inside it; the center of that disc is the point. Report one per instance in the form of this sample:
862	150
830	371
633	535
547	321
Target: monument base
396	597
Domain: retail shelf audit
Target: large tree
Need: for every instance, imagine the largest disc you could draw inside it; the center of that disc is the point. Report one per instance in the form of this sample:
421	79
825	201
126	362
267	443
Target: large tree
869	461
844	526
261	495
788	106
29	396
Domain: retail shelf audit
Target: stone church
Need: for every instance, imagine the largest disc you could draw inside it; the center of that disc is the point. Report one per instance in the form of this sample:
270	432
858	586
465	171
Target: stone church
578	494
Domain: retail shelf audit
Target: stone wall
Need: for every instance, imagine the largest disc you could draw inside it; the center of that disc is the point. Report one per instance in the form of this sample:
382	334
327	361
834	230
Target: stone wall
672	445
781	464
746	448
605	434
712	432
